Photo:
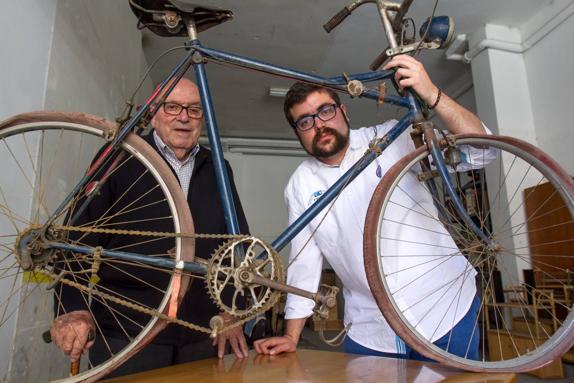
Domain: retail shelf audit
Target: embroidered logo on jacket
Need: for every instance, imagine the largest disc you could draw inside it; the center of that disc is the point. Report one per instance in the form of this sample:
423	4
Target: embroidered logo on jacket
315	196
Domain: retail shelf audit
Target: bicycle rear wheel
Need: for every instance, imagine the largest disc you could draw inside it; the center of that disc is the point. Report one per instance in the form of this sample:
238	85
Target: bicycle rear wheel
43	156
423	269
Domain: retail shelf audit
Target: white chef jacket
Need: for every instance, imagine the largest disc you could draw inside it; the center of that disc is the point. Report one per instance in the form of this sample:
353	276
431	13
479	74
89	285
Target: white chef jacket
339	239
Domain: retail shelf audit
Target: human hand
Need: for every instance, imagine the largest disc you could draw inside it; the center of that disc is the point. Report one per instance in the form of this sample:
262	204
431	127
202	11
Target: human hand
275	345
235	338
411	73
73	333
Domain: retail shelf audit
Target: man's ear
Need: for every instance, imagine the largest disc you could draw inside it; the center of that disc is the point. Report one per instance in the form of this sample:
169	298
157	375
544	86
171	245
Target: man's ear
344	110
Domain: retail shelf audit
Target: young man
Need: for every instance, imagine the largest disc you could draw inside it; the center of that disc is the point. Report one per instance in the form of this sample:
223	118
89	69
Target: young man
321	124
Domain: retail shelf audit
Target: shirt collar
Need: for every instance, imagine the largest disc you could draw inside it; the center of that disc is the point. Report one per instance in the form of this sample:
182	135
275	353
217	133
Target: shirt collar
167	151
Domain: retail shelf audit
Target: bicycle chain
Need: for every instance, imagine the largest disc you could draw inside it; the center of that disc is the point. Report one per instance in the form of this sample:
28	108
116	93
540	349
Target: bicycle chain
145	310
149	233
156	313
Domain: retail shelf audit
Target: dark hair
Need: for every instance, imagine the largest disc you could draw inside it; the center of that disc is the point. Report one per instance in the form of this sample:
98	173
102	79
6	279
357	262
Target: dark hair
299	92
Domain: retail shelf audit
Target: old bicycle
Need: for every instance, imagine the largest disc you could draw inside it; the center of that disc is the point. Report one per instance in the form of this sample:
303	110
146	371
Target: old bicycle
45	149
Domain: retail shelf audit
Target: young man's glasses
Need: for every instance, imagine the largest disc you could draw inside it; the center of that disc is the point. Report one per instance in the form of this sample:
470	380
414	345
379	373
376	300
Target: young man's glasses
174	109
325	113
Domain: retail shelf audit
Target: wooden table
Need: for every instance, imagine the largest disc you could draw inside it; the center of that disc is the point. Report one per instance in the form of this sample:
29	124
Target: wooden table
310	366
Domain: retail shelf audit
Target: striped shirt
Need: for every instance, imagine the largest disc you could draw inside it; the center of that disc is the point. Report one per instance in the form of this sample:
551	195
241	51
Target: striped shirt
184	168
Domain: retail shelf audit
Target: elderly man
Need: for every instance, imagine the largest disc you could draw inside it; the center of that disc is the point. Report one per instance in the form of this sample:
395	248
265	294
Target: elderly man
321	124
176	129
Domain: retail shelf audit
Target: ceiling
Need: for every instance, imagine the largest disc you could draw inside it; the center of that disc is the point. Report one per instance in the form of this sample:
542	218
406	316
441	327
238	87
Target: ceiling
289	33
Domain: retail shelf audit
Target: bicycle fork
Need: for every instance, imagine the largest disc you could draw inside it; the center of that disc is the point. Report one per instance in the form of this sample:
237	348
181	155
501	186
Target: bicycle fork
432	143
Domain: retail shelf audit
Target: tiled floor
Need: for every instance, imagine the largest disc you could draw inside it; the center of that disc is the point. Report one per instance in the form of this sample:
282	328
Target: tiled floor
310	340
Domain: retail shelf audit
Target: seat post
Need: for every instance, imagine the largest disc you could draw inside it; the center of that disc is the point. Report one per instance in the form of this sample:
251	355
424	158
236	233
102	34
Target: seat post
191	29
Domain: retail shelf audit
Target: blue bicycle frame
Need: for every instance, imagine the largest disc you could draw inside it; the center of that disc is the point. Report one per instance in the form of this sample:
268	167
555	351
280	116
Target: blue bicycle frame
196	57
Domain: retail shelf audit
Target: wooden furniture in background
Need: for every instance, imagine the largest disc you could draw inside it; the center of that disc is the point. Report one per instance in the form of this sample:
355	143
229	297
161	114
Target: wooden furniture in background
550	232
519	333
333	322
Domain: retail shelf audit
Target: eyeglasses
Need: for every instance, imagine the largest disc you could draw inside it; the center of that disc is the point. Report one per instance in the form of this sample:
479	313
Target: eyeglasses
174	109
325	113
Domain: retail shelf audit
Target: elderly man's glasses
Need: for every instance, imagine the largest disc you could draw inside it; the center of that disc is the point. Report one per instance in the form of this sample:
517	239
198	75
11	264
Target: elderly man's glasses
174	109
325	113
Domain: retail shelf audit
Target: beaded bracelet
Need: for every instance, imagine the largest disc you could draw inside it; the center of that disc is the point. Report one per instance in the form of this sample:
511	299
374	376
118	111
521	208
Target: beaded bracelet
437	99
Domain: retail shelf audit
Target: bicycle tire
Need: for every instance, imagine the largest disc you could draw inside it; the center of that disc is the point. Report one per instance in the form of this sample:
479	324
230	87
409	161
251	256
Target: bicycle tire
48	152
507	326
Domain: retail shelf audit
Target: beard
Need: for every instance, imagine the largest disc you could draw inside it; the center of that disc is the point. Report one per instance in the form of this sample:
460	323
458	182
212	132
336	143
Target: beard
332	148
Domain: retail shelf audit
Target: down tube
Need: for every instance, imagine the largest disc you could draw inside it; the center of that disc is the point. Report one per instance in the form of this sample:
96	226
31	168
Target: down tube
217	152
304	219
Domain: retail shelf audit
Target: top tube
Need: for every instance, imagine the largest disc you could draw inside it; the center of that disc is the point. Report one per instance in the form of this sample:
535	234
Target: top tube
338	82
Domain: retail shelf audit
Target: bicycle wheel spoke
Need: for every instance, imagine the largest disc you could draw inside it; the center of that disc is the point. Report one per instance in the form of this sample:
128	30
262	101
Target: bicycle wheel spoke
428	261
47	158
12	217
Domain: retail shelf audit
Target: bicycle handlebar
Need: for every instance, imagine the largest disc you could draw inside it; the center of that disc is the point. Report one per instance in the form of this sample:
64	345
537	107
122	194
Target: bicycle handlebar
383	6
392	16
336	20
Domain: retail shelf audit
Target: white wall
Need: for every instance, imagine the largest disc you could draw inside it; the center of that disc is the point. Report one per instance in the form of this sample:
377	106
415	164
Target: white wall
522	84
96	57
23	75
551	80
25	58
75	55
260	181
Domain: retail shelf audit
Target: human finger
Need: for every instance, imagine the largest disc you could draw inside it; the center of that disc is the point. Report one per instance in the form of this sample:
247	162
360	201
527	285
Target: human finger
77	349
401	60
221	341
234	343
264	345
281	348
243	346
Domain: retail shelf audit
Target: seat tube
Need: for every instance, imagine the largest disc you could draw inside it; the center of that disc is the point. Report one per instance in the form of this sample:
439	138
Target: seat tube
221	174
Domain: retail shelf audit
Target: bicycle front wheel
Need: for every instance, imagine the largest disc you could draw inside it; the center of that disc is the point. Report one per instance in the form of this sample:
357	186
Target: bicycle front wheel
137	209
425	266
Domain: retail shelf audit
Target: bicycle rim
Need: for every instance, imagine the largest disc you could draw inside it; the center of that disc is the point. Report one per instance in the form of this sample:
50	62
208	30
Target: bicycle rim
44	155
422	268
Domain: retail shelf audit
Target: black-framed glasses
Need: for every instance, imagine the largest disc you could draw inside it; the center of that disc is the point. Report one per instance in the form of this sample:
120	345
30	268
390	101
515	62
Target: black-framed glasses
174	109
325	113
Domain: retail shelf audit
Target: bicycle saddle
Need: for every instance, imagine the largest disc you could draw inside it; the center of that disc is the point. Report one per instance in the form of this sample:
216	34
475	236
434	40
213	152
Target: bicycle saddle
164	17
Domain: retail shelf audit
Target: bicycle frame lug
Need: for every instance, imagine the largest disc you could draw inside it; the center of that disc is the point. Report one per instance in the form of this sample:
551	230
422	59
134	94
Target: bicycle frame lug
450	140
110	135
197	58
355	88
452	156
